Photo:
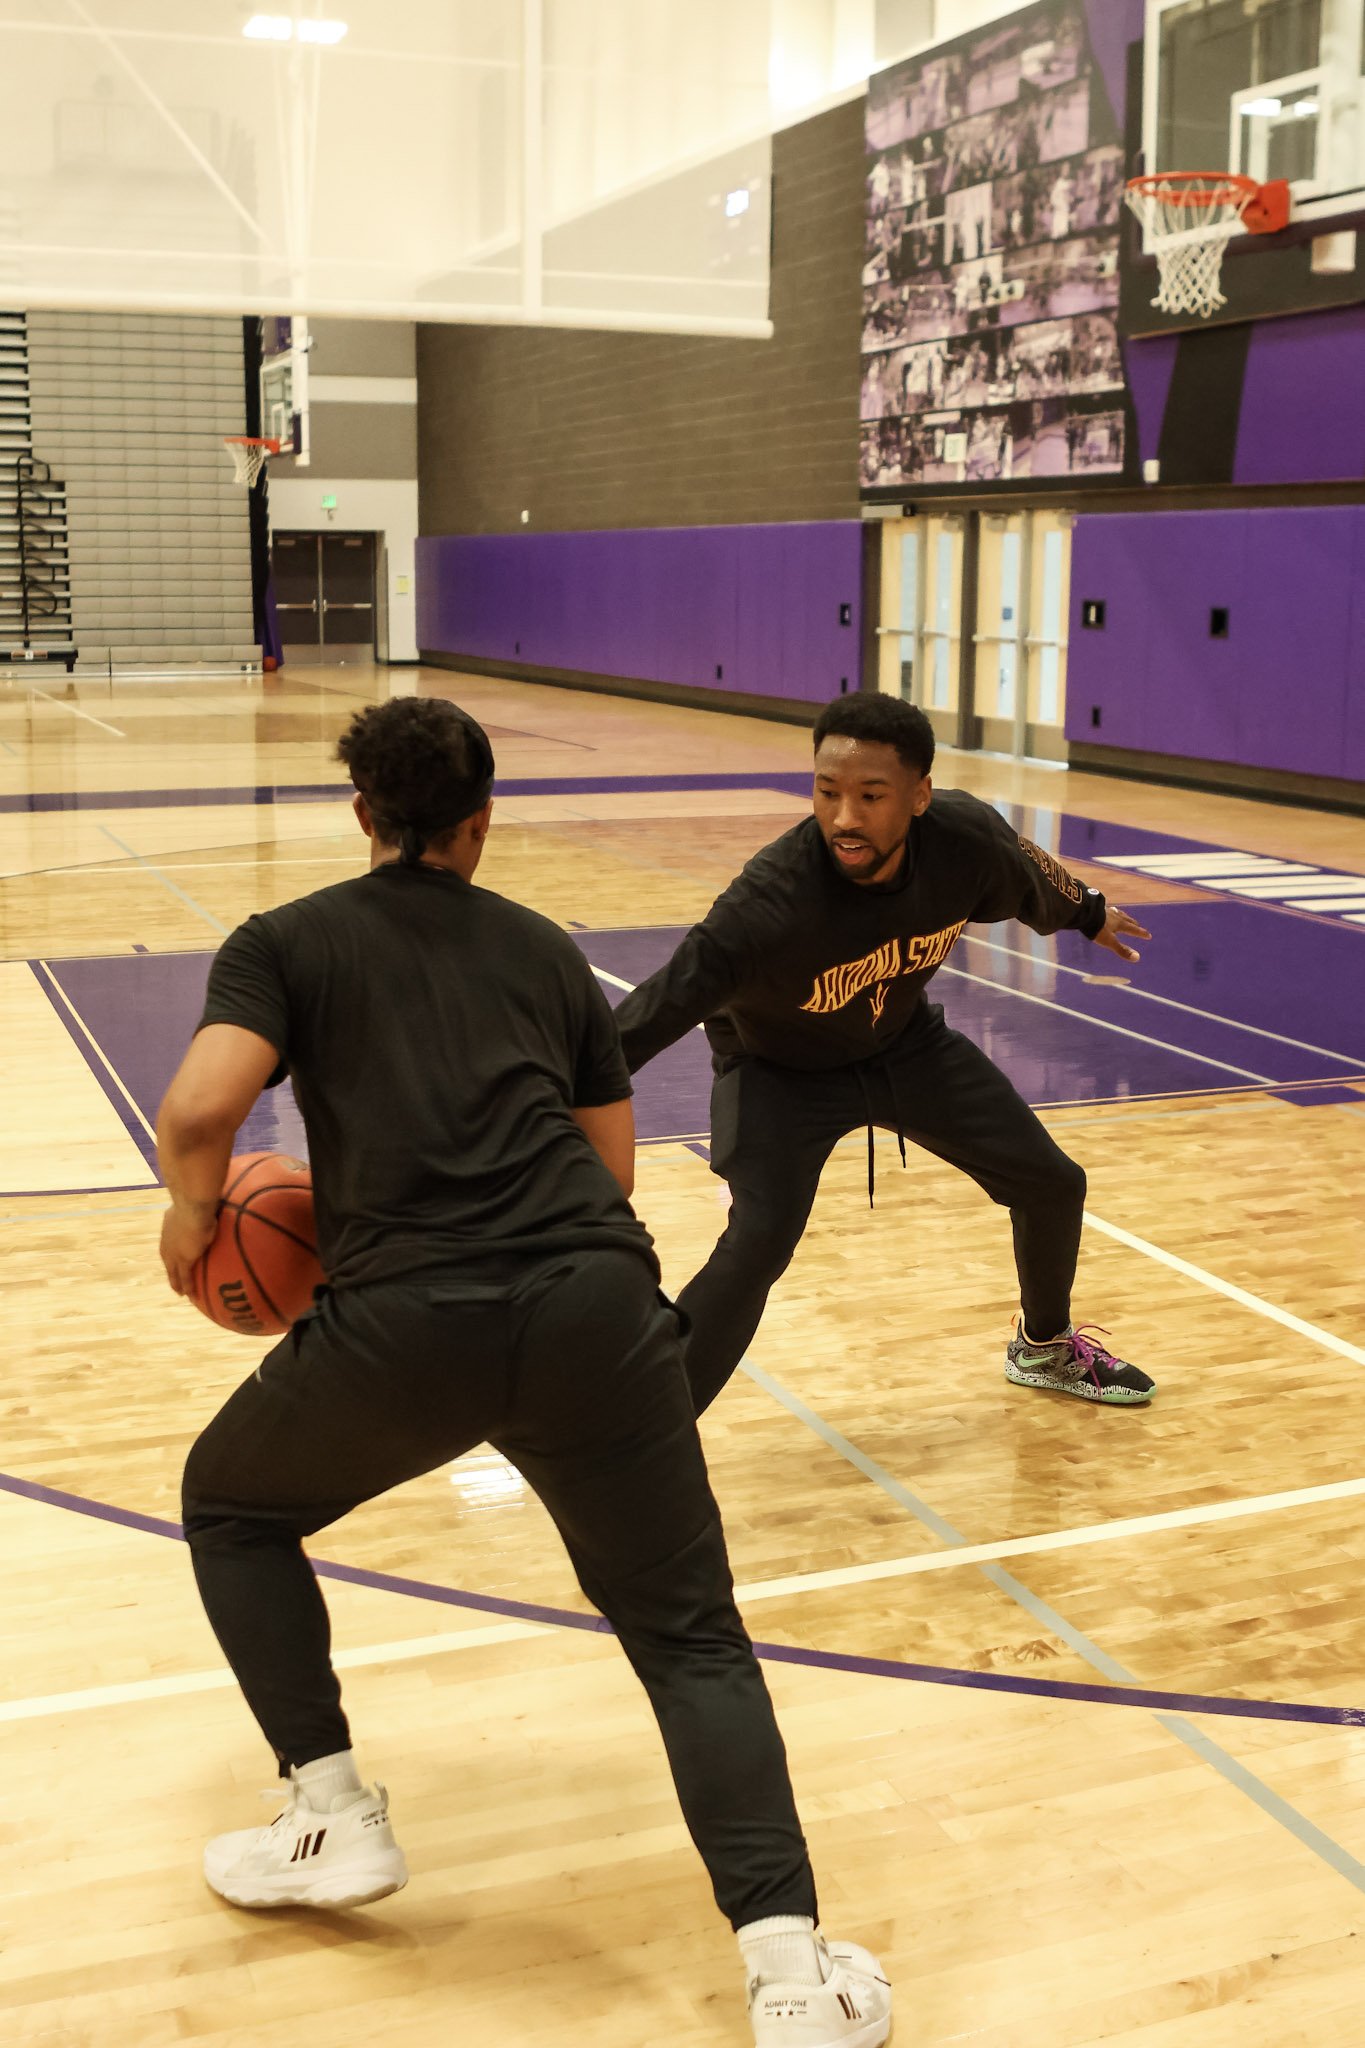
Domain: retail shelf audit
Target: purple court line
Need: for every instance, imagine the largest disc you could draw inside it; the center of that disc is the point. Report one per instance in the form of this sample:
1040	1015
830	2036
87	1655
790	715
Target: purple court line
788	781
772	1653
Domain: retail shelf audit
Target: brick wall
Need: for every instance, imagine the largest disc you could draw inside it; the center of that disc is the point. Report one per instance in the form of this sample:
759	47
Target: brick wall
601	430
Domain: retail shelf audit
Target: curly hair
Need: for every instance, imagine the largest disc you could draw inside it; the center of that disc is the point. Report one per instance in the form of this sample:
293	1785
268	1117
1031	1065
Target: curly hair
883	721
422	765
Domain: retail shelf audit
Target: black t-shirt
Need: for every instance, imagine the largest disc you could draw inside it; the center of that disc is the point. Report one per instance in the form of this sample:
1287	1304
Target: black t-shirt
800	966
438	1038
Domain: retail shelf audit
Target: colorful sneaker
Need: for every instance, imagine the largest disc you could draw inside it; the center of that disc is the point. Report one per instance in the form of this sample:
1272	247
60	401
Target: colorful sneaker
344	1857
851	2009
1073	1365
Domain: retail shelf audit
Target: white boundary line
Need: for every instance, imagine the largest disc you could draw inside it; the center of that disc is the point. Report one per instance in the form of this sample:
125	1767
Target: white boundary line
1200	1274
1103	1024
1169	1002
1057	1539
47	1705
1240	1295
76	712
98	1050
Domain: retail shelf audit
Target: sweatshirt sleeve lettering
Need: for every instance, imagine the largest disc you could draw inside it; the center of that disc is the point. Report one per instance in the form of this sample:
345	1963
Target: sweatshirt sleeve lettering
1024	882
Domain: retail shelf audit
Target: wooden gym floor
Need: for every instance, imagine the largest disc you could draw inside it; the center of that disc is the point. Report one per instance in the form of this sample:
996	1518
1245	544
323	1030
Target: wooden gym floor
1070	1695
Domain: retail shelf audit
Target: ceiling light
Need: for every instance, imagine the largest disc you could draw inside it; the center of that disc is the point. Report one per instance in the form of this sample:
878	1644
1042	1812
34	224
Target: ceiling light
282	28
736	202
1261	107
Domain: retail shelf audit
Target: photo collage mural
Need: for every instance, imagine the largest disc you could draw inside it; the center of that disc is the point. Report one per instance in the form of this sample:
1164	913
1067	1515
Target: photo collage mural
990	285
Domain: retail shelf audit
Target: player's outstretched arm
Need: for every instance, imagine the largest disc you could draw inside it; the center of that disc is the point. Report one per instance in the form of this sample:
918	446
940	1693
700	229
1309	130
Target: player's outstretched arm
218	1080
693	985
609	1128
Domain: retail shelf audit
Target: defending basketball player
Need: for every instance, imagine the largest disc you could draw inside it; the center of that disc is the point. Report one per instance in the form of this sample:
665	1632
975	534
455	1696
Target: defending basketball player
472	1142
809	976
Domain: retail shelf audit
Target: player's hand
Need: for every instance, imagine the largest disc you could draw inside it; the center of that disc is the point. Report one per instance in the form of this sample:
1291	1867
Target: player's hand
183	1240
1118	926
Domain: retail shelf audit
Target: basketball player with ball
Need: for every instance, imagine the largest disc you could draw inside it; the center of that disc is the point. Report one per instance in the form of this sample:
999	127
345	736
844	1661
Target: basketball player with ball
471	1140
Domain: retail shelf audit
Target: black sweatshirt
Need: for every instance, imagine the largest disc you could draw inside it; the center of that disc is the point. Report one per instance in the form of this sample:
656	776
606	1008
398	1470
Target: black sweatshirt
800	966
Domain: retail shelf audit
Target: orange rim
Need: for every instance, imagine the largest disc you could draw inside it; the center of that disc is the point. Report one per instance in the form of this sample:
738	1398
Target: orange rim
1219	188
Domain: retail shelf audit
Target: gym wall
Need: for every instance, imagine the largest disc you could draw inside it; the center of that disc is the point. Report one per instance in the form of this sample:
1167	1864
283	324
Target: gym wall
598	436
362	387
692	501
1232	648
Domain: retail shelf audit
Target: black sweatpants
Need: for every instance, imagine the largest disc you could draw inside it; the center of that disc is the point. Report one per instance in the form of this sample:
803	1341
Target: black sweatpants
574	1373
773	1128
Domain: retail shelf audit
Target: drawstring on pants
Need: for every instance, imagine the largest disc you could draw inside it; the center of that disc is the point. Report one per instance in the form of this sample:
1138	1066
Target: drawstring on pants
871	1128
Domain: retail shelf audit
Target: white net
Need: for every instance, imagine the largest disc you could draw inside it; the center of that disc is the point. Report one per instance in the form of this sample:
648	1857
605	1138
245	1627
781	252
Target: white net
248	459
1188	219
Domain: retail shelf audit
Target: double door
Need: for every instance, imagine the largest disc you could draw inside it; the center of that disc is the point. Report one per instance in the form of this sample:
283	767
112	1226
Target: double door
325	595
974	626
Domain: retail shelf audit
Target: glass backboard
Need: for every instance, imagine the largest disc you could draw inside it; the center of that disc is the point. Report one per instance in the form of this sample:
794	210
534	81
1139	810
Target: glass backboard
1268	88
284	386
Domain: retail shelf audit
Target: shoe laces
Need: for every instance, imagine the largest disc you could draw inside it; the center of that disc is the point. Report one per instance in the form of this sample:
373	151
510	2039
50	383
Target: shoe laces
1089	1355
289	1791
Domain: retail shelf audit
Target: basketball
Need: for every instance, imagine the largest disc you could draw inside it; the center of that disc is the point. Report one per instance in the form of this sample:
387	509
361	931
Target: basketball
258	1275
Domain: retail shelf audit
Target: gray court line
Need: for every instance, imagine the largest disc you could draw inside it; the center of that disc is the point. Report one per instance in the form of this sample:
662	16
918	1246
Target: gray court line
165	881
1209	1752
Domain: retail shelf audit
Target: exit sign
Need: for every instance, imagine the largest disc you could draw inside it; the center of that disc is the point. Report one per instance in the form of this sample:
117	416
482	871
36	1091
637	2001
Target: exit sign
329	503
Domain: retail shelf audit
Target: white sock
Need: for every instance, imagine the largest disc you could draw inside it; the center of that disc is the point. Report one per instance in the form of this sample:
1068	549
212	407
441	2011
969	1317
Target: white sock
329	1781
781	1950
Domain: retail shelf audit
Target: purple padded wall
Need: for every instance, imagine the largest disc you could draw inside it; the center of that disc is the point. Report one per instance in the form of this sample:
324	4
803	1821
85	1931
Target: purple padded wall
1303	399
666	605
1285	689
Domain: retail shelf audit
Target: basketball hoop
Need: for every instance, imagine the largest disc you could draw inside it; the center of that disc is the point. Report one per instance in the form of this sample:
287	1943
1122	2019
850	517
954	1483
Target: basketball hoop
249	456
1189	217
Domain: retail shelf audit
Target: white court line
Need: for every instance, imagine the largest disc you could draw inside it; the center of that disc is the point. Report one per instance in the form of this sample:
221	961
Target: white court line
1103	1024
97	1049
1057	1539
76	712
1240	1295
1169	1002
616	982
95	1696
49	1705
1255	1302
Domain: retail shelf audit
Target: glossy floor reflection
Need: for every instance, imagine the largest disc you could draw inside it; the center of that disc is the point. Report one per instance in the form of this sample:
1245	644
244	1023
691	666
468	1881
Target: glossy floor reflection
892	1504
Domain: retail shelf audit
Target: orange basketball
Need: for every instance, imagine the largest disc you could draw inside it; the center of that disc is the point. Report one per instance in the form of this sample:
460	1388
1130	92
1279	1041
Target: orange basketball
258	1275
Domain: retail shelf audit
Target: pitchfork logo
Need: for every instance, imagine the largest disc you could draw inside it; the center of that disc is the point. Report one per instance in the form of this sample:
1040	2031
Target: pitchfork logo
836	988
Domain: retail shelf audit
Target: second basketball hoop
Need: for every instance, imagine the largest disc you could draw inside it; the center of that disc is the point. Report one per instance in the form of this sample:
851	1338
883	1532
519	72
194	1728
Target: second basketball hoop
1189	217
249	456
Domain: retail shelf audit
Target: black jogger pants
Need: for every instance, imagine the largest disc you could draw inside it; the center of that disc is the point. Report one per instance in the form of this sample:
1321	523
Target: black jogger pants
773	1128
575	1374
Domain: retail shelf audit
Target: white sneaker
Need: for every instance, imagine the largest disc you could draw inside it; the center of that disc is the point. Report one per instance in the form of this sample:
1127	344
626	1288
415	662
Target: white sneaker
851	2009
345	1857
